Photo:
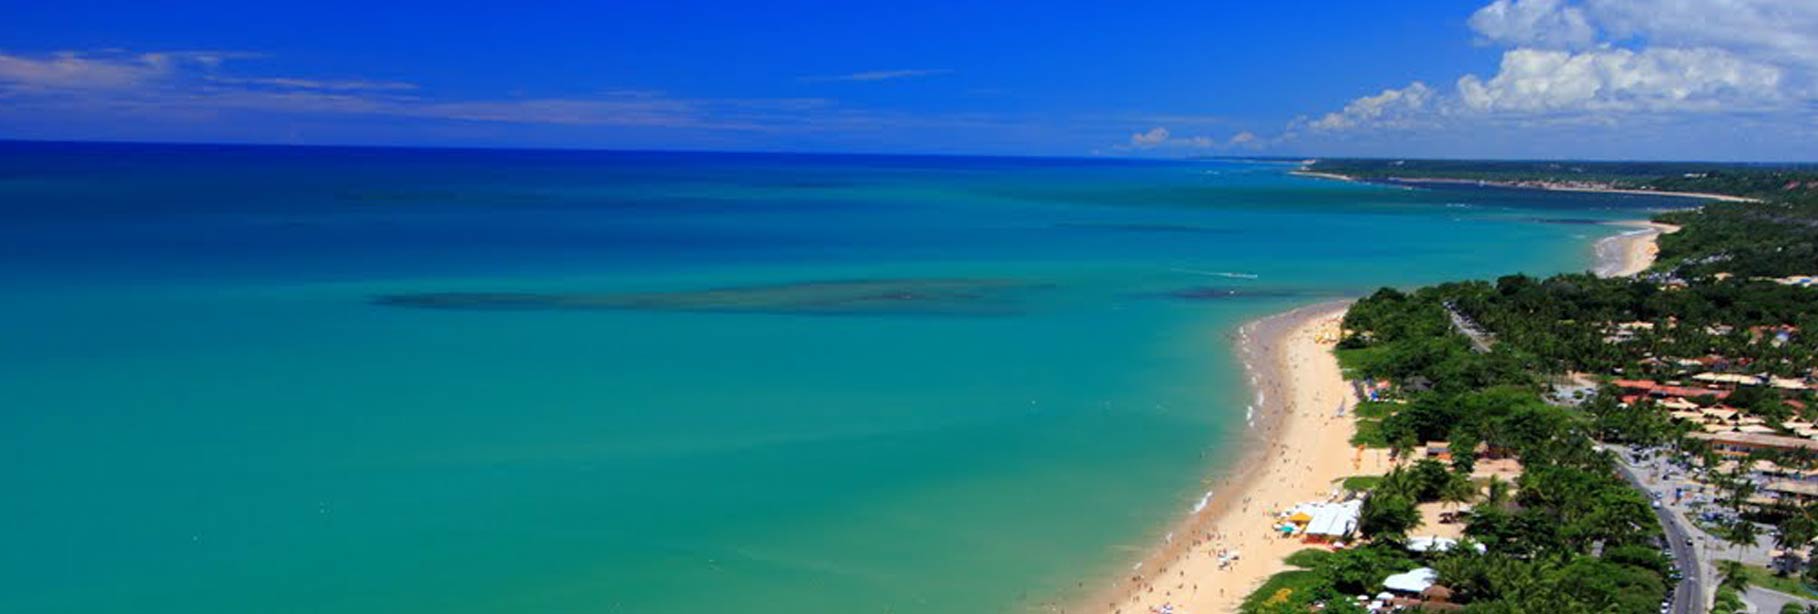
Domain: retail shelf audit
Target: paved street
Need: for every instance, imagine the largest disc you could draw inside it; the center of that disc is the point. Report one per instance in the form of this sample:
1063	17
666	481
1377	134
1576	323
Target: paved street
1691	596
1770	601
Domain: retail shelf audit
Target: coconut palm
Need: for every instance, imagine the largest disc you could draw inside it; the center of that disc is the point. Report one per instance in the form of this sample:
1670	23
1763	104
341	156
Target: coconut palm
1458	491
1791	535
1498	495
1732	575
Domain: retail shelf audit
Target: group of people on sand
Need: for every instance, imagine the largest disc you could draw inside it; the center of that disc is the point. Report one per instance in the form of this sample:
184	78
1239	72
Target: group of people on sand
1281	461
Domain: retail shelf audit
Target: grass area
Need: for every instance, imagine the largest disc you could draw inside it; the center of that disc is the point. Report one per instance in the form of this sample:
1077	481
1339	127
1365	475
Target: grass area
1292	586
1375	410
1765	578
1353	361
1361	482
1369	434
1288	587
1727	601
1308	558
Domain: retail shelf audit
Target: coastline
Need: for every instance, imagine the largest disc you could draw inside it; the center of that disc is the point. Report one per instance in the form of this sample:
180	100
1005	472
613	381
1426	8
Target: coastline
1319	175
1557	187
1294	449
1528	185
1631	252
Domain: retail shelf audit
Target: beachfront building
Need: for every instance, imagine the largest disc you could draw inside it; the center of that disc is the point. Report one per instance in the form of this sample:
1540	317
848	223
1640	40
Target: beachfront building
1411	582
1326	522
1729	380
1439	450
1435	543
1417	589
1792	491
1803	281
1744	444
1656	390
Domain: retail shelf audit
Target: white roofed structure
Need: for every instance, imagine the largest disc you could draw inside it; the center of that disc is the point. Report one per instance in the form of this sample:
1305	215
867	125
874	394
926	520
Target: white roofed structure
1412	582
1334	519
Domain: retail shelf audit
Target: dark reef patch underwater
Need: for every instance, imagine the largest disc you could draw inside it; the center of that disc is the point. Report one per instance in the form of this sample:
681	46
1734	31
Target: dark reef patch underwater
943	297
1207	293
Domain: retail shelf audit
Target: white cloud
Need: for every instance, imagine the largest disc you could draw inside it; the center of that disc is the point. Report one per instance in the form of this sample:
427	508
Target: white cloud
195	85
1621	80
1389	108
1161	138
75	71
1609	61
346	85
1155	136
1781	29
883	75
1541	23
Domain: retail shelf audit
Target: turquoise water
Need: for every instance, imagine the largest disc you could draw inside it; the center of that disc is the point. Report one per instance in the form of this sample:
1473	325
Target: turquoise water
356	380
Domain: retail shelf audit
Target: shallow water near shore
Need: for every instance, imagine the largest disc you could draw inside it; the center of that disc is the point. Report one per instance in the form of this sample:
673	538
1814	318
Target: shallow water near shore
357	380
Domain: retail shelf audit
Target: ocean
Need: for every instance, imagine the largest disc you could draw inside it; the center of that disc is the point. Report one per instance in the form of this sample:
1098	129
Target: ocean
351	380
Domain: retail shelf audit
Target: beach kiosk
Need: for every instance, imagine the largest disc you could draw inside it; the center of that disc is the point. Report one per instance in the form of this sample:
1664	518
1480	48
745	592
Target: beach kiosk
1334	521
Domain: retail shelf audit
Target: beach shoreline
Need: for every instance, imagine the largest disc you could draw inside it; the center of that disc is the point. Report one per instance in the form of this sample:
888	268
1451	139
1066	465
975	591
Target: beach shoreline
1526	185
1296	386
1632	252
1295	448
1319	175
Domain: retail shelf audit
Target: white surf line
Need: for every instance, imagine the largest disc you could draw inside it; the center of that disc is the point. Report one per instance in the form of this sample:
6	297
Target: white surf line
1204	500
1610	253
1227	274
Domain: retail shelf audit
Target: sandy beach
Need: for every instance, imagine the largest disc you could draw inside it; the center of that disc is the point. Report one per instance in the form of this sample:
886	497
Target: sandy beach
1564	187
1318	175
1704	195
1296	449
1631	252
1532	185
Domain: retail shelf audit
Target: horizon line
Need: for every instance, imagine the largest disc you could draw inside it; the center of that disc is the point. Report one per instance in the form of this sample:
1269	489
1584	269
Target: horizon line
583	149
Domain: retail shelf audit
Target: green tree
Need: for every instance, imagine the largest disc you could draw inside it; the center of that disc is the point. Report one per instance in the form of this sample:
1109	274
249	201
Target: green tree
1430	479
1458	490
1497	494
1793	533
1356	571
1732	575
1388	515
1740	533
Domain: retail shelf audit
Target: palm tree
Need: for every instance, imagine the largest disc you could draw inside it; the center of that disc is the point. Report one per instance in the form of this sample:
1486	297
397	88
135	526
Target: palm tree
1792	535
1741	533
1458	490
1498	495
1733	576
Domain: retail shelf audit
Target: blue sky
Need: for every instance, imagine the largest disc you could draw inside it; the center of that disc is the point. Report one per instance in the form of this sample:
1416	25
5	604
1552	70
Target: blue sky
1713	79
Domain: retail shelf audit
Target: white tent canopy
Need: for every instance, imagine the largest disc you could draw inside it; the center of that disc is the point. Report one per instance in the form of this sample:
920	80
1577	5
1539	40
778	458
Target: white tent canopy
1436	544
1413	581
1334	519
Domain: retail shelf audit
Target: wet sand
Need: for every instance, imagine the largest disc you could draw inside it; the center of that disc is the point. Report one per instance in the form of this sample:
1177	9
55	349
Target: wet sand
1631	252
